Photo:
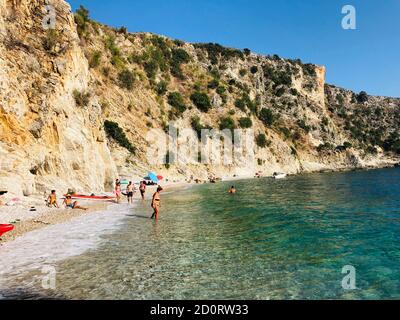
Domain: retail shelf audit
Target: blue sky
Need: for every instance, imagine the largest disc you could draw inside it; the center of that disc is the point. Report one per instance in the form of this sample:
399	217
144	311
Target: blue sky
367	58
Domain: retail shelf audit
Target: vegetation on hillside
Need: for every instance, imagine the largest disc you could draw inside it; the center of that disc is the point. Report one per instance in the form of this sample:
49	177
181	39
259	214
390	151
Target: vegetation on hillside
268	93
115	132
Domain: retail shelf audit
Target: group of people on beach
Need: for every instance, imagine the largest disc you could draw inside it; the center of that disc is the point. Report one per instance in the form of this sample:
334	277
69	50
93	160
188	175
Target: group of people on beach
130	191
68	202
52	199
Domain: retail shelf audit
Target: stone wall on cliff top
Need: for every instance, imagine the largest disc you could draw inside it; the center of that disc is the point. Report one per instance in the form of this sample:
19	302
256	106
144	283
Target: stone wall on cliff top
58	87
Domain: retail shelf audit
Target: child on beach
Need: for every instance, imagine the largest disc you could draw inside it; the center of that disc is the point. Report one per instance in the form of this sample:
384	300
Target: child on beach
52	200
156	203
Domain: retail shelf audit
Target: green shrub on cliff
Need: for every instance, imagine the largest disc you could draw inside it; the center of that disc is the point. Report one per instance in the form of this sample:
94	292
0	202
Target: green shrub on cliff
116	57
362	97
392	143
81	19
245	103
213	84
201	101
227	123
178	57
114	131
254	69
303	125
309	69
198	126
215	51
261	140
151	68
51	40
81	98
126	79
267	117
95	59
162	87
245	123
325	147
175	100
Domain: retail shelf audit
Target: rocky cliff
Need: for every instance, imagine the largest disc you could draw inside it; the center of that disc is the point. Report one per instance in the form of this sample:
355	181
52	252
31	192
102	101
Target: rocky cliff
77	102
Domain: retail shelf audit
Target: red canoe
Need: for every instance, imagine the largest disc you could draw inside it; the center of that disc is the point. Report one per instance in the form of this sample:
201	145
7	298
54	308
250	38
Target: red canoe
4	228
94	198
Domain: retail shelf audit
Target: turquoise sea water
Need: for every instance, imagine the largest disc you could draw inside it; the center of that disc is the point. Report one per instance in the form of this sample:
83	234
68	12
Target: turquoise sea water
286	239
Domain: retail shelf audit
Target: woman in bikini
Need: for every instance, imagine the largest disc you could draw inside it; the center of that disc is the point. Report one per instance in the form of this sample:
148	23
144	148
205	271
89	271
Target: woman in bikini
142	189
73	205
118	191
156	203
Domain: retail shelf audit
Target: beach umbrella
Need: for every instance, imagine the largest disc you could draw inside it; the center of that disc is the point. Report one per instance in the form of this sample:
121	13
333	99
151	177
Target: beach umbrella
160	178
152	177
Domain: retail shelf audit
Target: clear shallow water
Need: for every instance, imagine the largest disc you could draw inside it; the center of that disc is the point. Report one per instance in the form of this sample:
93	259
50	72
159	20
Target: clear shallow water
285	239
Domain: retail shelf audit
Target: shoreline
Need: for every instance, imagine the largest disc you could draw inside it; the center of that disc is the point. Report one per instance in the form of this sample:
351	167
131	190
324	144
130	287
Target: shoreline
25	221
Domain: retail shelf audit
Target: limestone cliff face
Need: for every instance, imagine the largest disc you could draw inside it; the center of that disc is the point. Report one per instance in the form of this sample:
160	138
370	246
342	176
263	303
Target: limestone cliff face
59	87
45	140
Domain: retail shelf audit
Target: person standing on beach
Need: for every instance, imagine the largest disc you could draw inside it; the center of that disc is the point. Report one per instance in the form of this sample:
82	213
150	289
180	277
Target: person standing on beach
129	191
118	191
142	189
156	203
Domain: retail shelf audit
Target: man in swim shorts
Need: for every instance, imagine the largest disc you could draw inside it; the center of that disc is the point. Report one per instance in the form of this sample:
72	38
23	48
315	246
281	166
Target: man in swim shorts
129	191
52	199
72	205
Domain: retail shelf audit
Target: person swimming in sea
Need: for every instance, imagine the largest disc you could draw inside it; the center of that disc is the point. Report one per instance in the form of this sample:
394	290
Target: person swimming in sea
156	203
72	205
52	199
232	190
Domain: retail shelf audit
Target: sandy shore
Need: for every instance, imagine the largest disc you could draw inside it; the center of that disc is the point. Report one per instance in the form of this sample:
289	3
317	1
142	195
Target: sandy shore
44	218
26	220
